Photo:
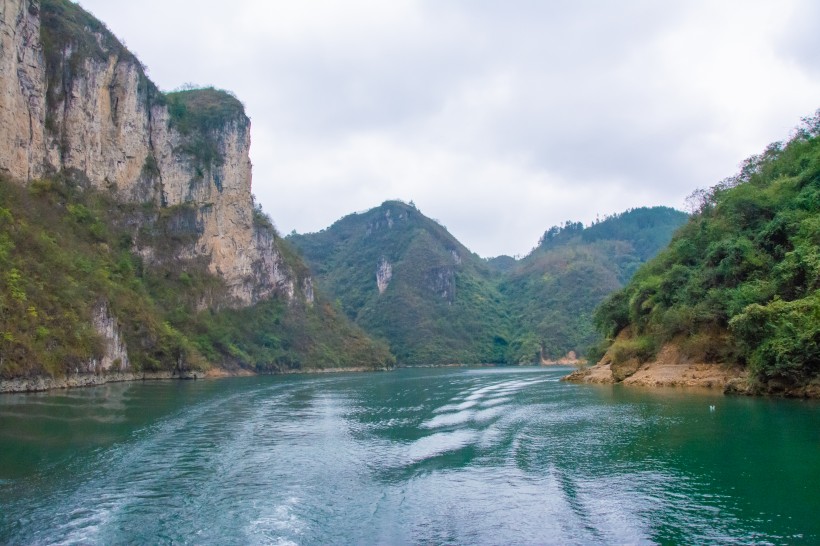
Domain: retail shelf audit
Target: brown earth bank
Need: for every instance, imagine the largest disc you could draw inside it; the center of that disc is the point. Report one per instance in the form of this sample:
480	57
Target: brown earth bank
570	359
671	369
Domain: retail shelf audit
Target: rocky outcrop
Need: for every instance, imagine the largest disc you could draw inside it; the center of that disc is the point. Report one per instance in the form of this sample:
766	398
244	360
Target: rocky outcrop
46	383
82	103
442	282
115	353
384	272
668	369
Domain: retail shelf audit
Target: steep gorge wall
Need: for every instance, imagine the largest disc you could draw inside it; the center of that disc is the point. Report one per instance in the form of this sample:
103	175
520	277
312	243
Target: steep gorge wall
78	101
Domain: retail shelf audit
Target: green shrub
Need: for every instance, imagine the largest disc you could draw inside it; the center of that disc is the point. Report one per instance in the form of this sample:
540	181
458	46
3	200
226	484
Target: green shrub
739	282
642	348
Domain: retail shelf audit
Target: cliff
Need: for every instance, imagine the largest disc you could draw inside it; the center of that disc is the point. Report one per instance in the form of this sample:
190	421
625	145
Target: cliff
130	240
72	98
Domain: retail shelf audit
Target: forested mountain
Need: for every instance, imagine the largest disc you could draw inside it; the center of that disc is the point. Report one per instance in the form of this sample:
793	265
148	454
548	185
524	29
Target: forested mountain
740	283
552	293
402	277
130	242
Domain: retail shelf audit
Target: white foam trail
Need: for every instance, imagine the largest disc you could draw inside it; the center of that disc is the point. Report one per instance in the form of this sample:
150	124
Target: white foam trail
438	443
448	420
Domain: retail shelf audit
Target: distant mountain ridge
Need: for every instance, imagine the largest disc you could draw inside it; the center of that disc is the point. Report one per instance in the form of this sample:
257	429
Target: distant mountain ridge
404	278
553	291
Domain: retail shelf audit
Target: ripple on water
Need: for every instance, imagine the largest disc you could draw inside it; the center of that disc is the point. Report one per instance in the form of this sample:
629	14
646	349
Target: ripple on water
499	457
448	419
438	443
456	407
495	401
281	526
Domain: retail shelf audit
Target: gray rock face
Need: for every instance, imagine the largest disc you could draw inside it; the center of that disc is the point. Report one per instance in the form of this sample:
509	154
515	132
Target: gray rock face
105	124
384	273
115	355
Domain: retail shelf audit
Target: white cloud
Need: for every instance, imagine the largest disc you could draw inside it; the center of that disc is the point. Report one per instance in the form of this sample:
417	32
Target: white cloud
498	119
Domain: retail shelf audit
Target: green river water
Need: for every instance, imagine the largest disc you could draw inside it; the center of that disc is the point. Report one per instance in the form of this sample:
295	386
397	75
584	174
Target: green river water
424	456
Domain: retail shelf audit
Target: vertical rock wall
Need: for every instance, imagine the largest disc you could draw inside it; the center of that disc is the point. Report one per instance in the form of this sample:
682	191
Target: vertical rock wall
22	90
99	115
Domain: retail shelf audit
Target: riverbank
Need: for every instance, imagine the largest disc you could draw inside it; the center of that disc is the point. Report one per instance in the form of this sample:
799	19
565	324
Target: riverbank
670	369
657	374
46	383
80	380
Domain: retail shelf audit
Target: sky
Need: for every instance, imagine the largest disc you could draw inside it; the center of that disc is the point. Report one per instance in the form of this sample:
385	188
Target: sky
499	119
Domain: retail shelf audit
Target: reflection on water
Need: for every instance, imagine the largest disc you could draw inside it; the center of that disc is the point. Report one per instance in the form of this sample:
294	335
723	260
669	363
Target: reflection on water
413	456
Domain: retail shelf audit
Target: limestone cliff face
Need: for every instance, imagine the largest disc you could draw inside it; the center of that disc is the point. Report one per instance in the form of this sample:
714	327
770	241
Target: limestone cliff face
115	353
78	101
384	273
22	90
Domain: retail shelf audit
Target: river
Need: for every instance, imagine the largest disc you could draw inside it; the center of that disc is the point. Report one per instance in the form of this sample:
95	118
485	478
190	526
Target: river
417	456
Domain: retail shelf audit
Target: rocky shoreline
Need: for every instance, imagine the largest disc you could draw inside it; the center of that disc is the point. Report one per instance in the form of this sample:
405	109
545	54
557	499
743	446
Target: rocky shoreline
670	369
79	380
655	374
45	383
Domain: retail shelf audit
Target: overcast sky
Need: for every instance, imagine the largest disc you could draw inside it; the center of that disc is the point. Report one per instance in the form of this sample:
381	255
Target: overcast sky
497	118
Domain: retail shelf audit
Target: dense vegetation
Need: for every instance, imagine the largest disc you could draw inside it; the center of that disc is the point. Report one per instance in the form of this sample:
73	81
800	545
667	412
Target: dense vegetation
553	292
440	305
65	249
740	283
200	115
443	304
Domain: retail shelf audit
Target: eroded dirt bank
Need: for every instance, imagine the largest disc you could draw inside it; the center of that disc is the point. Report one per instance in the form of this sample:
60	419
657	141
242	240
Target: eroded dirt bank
671	369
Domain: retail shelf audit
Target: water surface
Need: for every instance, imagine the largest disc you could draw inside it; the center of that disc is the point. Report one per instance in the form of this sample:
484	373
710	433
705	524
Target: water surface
489	456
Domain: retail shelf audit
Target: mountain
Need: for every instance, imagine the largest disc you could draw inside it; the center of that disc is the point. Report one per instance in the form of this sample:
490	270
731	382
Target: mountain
739	285
130	240
552	293
402	277
131	243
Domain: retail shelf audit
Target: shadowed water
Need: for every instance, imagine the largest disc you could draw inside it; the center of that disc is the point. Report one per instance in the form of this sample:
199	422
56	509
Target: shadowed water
414	456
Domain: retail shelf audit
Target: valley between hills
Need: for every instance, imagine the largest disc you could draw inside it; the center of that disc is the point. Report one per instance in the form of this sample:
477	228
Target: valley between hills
131	247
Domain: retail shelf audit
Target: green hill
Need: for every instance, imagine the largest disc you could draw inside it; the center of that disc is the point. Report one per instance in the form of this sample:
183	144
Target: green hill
552	293
740	283
404	278
440	303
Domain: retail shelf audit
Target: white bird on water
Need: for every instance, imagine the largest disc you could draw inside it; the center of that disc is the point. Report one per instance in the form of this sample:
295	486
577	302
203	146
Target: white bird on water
711	408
